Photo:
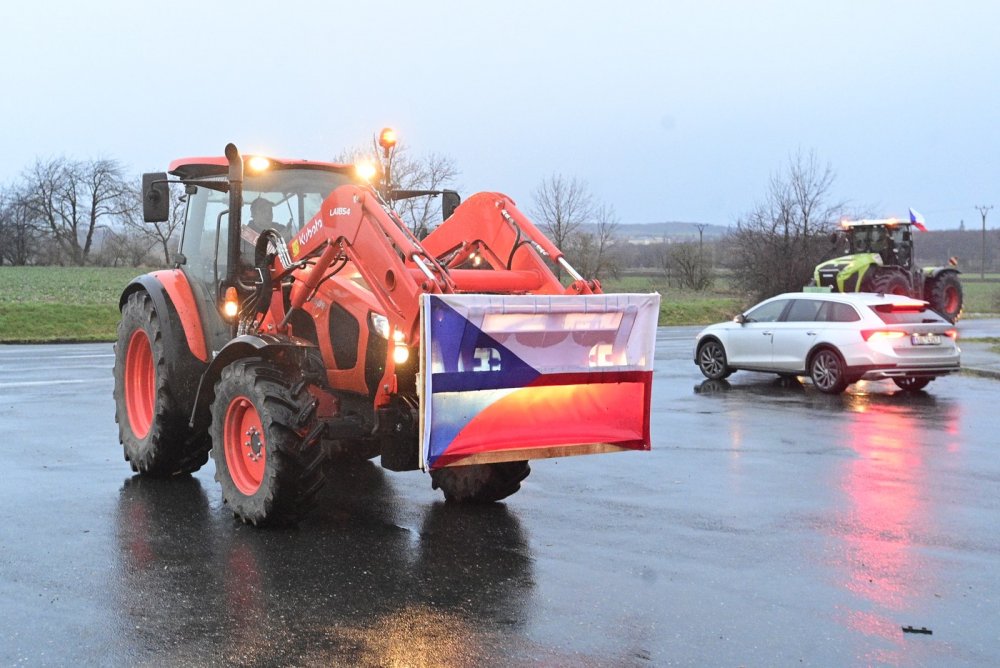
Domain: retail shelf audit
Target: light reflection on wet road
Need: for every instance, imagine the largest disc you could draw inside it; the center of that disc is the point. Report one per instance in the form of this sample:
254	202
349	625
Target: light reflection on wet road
771	525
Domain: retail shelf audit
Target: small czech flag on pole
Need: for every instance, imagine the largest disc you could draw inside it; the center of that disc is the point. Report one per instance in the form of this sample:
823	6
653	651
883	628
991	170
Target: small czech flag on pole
917	220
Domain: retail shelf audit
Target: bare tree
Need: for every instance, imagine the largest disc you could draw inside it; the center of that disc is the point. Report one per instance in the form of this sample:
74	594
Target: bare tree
594	252
19	232
411	172
71	199
155	234
687	260
561	206
775	247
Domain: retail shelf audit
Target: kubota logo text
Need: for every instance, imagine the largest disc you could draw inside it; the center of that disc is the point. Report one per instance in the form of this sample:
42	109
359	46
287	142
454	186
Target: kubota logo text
310	231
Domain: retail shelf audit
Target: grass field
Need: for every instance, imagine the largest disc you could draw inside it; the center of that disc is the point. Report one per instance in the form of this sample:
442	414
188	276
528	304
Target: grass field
49	304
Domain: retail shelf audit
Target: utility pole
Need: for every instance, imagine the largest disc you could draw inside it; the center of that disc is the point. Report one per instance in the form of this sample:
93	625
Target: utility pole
701	256
983	210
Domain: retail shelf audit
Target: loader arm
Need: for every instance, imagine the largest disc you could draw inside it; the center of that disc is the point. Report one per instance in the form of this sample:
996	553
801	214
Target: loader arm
490	225
354	227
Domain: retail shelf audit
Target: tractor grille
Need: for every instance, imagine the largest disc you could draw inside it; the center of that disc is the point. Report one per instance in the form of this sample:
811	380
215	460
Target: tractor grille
828	278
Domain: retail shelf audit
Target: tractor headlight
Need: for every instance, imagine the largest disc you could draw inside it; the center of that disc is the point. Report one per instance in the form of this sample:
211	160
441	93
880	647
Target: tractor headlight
366	170
258	163
380	324
400	354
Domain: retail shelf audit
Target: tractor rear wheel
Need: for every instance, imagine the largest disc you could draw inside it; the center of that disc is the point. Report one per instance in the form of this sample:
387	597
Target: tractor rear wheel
888	282
268	475
152	425
480	483
944	292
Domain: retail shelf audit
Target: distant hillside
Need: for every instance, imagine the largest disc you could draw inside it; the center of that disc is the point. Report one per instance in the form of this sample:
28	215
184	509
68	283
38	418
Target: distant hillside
648	233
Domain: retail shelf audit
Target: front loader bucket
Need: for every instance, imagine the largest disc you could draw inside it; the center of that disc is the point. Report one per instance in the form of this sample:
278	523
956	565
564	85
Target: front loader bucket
512	377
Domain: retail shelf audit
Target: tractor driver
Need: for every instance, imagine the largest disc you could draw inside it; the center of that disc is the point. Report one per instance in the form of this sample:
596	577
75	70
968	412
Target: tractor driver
262	217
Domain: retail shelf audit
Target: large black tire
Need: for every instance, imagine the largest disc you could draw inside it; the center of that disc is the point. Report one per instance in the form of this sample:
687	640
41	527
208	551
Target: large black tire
888	282
480	483
269	476
712	360
828	371
912	384
152	425
944	292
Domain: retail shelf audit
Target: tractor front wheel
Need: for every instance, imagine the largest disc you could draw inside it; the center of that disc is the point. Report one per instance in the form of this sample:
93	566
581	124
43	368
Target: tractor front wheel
268	475
944	292
152	425
480	483
889	282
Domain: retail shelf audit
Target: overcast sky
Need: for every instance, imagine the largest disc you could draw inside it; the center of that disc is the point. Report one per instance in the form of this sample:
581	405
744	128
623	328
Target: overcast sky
668	110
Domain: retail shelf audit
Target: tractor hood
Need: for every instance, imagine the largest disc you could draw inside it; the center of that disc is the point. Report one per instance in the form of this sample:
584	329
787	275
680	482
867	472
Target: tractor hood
833	273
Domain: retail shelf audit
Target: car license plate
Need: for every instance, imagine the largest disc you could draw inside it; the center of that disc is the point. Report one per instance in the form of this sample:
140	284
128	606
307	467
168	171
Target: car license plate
928	339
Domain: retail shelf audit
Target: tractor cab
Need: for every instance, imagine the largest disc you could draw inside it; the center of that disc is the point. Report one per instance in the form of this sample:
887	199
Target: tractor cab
273	194
889	239
279	195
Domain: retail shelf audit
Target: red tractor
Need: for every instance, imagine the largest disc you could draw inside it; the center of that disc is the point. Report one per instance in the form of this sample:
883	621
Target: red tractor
304	325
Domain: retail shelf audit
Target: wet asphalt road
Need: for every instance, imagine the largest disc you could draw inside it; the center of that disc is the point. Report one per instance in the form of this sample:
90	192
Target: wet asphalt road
771	525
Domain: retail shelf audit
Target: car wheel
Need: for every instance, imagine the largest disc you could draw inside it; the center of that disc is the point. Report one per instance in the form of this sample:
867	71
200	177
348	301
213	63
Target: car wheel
911	384
712	360
828	371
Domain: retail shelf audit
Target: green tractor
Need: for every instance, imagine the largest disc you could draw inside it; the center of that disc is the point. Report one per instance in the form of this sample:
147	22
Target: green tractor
880	259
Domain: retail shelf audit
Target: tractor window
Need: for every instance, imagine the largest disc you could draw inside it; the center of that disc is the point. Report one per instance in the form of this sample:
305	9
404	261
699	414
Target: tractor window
893	243
294	196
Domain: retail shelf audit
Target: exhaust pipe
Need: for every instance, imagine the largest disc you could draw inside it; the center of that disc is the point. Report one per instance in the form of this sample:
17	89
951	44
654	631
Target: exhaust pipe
235	213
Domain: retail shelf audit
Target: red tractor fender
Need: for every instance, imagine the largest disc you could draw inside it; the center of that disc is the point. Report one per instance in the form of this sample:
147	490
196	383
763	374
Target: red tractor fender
183	341
171	293
267	346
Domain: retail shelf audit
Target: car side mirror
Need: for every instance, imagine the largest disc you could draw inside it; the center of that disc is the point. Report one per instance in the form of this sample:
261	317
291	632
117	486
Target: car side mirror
155	197
741	319
449	202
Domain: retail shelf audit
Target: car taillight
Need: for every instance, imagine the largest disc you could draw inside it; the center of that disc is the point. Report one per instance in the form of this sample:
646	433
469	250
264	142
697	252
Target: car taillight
952	334
881	334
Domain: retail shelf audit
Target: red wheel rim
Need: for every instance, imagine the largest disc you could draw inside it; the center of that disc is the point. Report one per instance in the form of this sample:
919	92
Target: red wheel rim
140	383
951	300
244	445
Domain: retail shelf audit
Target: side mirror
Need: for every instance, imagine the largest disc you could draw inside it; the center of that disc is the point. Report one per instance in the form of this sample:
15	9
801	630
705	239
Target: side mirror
155	197
741	319
449	202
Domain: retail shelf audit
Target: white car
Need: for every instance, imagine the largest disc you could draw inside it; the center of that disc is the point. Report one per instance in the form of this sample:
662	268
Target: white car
836	339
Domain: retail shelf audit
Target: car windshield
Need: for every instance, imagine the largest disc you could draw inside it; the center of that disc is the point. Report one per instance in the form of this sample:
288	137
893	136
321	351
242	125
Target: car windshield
895	314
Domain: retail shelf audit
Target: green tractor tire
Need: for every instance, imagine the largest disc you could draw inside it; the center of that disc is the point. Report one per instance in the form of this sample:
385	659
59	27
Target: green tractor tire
887	282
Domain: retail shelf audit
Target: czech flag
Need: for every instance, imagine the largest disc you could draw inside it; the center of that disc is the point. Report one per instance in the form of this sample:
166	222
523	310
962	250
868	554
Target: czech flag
512	377
917	220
